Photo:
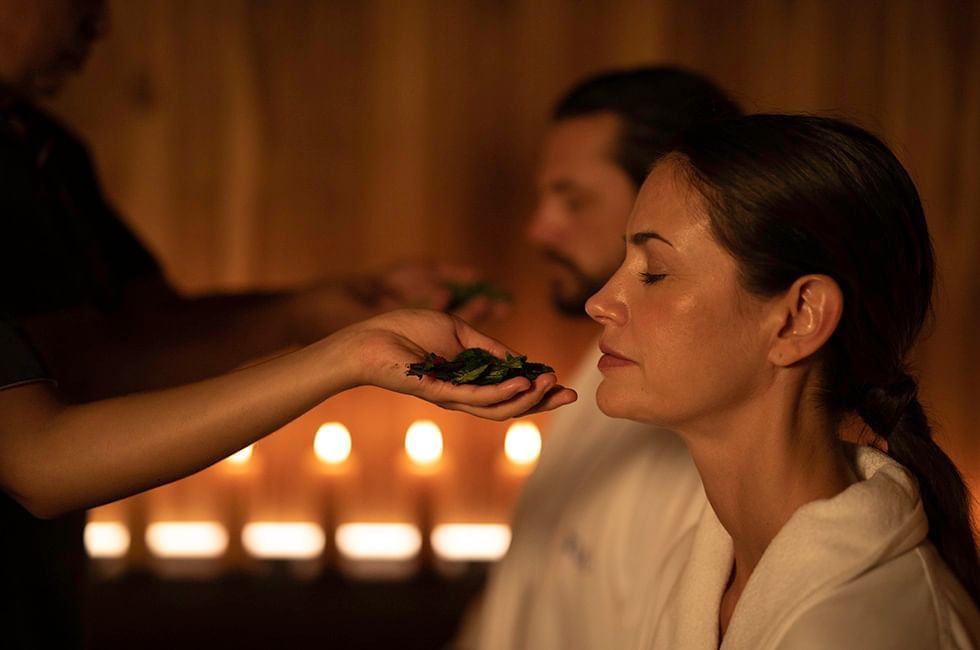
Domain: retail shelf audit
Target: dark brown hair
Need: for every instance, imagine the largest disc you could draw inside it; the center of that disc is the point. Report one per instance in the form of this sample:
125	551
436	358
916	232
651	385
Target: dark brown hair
794	195
655	106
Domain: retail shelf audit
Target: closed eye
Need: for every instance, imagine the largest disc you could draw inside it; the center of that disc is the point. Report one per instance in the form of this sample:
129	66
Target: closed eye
652	278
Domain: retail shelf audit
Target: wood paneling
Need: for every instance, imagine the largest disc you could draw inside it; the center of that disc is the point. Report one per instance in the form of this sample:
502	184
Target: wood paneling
258	144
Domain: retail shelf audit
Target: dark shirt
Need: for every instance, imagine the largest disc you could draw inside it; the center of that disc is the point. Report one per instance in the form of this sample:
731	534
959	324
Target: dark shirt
61	246
20	543
19	363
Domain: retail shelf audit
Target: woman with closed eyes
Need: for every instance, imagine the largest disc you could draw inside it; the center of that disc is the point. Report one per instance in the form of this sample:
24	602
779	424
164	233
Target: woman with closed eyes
778	271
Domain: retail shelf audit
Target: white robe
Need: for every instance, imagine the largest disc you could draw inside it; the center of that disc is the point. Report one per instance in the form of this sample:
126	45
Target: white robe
853	571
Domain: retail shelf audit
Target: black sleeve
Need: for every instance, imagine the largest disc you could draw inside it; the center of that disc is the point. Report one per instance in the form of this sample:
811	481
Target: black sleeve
18	362
61	243
125	254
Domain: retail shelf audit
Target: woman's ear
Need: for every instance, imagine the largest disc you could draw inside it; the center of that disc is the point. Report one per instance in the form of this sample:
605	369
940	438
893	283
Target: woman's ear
807	313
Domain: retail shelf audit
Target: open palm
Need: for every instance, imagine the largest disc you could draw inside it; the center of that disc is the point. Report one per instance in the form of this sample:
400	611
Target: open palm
386	344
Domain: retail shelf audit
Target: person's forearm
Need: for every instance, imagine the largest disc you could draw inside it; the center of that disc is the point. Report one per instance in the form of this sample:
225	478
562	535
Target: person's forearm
113	448
185	340
159	339
55	458
166	343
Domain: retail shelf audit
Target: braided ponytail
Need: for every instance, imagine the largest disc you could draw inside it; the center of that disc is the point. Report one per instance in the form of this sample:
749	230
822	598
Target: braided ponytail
895	414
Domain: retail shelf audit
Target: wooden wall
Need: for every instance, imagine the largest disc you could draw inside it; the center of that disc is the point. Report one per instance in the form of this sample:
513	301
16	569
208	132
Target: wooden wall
263	144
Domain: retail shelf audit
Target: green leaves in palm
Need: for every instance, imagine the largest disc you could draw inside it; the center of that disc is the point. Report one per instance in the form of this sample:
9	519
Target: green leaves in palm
476	366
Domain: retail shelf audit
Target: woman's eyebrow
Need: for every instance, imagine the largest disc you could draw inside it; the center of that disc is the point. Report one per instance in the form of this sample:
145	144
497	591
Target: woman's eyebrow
640	238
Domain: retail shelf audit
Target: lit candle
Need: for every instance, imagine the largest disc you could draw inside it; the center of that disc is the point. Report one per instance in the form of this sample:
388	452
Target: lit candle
108	538
236	478
468	542
241	457
332	445
334	466
194	540
522	445
378	549
519	455
277	540
424	461
423	445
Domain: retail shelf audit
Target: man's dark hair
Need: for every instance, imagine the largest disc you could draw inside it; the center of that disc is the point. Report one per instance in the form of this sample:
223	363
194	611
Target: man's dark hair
655	105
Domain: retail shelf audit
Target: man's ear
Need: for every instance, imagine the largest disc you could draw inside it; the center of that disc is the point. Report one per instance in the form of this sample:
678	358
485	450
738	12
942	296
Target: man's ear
806	316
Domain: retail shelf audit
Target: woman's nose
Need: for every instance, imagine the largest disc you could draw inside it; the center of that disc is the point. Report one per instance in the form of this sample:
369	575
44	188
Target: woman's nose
605	306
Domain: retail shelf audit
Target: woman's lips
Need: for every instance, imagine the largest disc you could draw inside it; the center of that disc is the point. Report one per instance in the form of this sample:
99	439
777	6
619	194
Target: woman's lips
612	359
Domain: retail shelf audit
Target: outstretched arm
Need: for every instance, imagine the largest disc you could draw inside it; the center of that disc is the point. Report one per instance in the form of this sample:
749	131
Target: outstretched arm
158	339
56	457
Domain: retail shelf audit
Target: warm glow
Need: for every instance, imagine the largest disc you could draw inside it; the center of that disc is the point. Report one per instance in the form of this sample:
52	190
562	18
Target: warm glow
241	457
106	539
332	443
187	539
298	540
471	542
388	541
522	445
423	442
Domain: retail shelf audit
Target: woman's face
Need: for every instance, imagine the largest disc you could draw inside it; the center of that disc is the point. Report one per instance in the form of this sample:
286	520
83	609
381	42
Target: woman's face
683	343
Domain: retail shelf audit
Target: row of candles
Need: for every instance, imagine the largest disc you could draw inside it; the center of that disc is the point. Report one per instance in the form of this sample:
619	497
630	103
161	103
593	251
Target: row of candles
356	541
371	543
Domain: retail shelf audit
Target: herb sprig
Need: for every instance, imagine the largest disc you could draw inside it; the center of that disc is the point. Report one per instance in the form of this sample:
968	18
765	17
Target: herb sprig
463	293
476	366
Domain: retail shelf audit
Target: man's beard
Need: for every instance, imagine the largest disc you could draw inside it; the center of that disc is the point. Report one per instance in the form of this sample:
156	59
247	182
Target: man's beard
572	303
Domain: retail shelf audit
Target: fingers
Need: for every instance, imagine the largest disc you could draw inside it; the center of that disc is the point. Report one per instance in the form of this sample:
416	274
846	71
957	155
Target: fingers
556	397
482	308
416	285
441	297
543	396
469	337
424	285
470	396
418	332
475	309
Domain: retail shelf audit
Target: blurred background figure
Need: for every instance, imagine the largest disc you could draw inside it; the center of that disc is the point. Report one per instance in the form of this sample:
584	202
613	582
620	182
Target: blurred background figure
608	497
258	147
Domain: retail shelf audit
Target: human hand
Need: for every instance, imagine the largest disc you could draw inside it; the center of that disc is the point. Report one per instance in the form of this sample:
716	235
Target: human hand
424	285
331	305
438	286
382	348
